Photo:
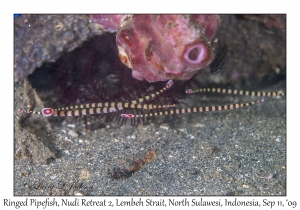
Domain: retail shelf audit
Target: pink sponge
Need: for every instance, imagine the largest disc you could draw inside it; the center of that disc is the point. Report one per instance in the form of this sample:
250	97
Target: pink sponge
163	47
109	23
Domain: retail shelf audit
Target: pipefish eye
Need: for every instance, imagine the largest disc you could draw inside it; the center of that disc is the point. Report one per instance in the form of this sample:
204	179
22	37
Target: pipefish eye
218	63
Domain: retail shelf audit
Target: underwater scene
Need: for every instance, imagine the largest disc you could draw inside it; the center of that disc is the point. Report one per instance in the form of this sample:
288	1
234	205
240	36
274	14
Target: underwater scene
150	105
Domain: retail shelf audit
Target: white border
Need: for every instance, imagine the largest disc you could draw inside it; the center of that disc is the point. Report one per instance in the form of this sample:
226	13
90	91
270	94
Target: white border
153	6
